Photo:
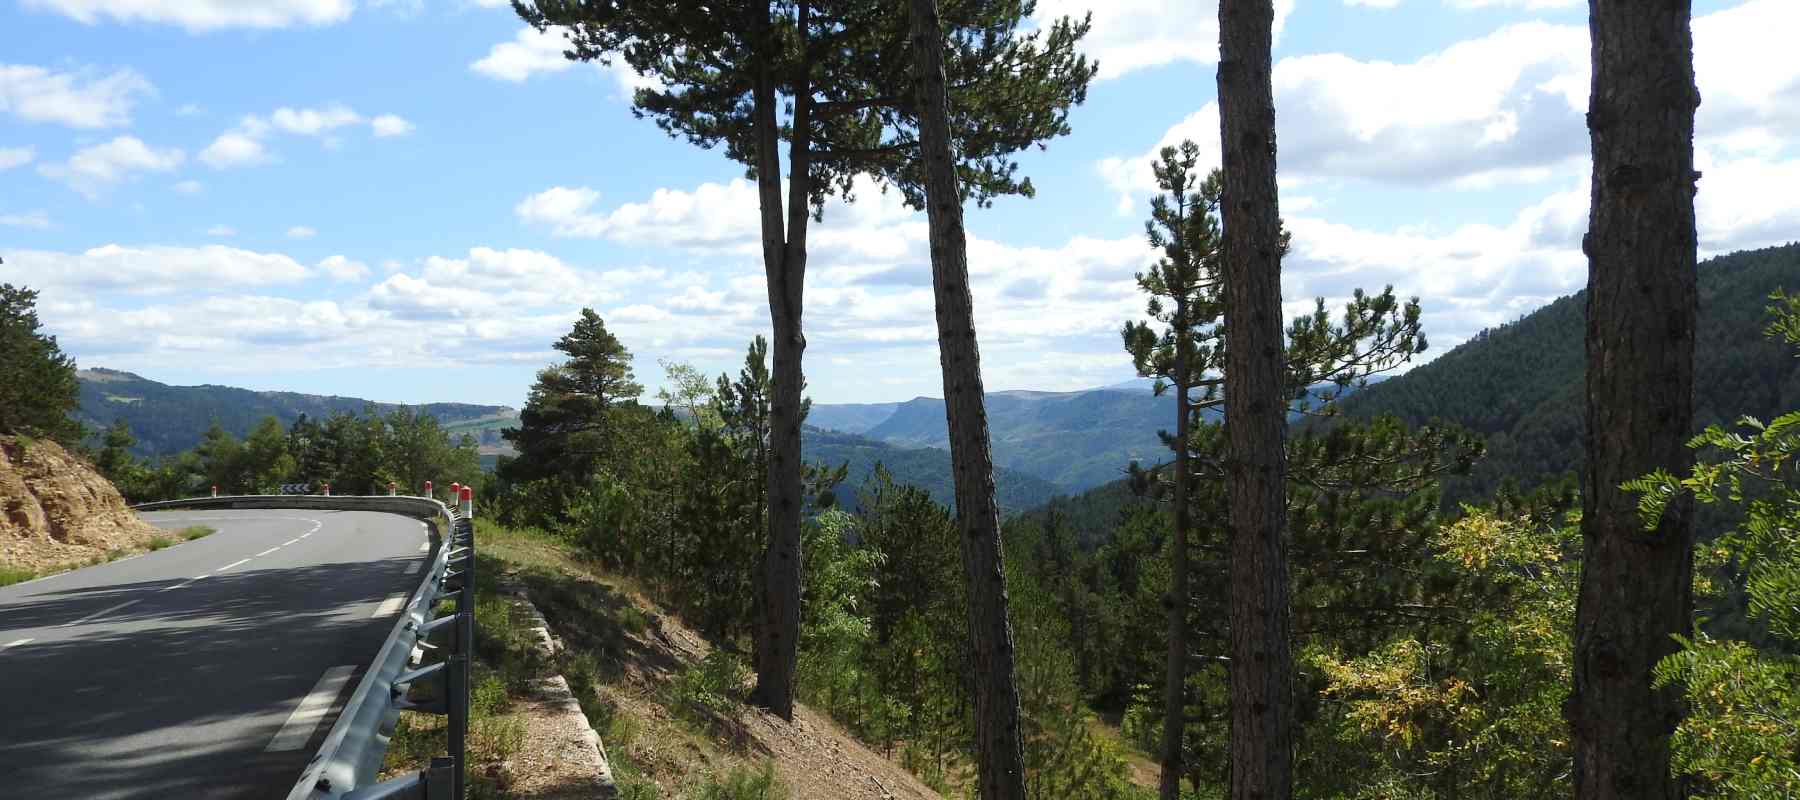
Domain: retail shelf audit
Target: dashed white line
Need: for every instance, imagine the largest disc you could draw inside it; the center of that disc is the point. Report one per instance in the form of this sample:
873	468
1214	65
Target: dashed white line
266	552
389	607
413	568
300	725
173	587
15	643
232	564
103	612
290	541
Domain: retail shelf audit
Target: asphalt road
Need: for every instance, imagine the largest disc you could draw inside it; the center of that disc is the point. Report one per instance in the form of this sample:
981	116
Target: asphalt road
211	669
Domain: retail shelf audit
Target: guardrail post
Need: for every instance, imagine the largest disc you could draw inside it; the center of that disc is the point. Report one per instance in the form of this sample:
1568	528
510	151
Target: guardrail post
215	491
428	488
462	658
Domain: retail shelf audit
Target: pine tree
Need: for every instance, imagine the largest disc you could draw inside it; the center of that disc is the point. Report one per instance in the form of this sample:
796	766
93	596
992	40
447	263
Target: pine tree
727	70
1183	353
565	429
1636	589
37	381
1262	661
114	459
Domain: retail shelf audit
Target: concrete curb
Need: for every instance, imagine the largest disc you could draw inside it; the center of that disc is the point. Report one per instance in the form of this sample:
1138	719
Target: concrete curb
555	692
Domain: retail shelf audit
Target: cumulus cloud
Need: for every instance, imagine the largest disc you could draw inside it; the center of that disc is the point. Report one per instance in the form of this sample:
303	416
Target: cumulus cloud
156	269
1507	107
341	268
1134	34
391	125
81	99
201	16
94	169
246	143
15	156
533	52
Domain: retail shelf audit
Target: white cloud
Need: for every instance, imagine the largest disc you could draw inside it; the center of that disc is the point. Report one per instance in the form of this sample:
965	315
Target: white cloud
1507	107
30	219
234	149
156	269
94	169
313	121
245	144
486	280
301	232
713	216
534	52
203	15
1373	3
15	156
341	268
1135	34
391	125
221	230
84	99
1529	5
189	187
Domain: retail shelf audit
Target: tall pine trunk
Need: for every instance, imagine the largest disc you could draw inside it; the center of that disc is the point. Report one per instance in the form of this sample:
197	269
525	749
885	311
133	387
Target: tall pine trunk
1175	679
1255	409
784	262
1636	585
999	756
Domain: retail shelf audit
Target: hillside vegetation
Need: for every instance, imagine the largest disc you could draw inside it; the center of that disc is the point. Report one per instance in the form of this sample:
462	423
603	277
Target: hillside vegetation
169	419
1520	385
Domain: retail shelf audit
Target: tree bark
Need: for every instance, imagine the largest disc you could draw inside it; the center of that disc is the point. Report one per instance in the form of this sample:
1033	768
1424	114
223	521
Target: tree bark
999	756
1636	585
1175	680
784	263
1255	409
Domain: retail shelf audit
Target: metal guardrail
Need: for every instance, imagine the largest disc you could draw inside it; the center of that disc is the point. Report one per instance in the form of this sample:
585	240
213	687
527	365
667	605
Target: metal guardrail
347	763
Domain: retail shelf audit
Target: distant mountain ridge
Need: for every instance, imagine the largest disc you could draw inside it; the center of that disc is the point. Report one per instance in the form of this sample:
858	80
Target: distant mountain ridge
1074	440
169	419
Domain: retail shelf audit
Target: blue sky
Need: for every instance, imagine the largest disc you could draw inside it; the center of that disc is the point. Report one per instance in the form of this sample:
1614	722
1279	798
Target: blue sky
409	201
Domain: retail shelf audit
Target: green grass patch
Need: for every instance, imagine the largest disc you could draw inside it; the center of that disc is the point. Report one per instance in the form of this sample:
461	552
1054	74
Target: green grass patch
743	782
161	542
193	532
12	575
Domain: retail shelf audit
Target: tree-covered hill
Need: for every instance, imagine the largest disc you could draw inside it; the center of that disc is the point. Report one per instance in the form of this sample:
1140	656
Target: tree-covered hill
1520	385
1076	440
925	467
169	419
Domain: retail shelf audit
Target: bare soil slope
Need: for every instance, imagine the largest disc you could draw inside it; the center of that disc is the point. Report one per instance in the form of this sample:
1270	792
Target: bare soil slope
57	512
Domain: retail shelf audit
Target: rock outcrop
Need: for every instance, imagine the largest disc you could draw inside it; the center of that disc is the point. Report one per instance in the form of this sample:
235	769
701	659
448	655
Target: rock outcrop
57	512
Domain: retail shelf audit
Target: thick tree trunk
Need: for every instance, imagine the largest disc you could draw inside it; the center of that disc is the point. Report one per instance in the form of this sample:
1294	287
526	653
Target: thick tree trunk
1255	410
1175	680
1636	585
997	747
784	262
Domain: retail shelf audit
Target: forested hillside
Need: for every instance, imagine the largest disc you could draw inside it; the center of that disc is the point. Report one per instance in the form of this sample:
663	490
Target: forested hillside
1520	385
169	419
927	468
1074	439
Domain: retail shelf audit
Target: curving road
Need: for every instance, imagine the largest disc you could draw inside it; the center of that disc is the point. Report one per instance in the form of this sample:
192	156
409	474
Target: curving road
211	669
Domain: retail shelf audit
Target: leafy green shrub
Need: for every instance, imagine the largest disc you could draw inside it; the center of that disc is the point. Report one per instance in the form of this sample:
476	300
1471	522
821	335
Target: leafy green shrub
196	532
160	542
713	688
743	783
12	575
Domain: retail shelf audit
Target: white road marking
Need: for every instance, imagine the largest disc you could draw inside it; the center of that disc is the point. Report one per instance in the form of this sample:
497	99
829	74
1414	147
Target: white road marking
413	568
230	565
103	612
290	541
300	725
306	534
424	547
389	607
181	584
15	643
266	552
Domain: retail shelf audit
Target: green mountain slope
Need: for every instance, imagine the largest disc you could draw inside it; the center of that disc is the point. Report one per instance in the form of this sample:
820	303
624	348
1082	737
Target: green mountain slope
925	467
169	419
849	417
1076	440
1521	384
